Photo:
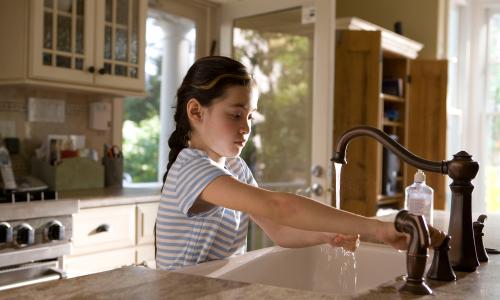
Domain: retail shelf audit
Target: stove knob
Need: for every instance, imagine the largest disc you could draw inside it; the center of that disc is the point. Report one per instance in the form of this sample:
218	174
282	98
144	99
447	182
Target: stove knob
5	233
24	235
54	231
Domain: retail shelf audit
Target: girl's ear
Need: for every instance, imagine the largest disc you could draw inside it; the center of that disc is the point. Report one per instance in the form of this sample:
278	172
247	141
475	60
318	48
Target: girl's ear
194	110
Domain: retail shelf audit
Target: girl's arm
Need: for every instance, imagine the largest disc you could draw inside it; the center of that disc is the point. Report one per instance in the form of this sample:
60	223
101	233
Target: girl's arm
297	211
290	237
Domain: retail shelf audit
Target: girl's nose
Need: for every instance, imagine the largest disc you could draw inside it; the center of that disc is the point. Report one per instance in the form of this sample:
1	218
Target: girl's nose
245	127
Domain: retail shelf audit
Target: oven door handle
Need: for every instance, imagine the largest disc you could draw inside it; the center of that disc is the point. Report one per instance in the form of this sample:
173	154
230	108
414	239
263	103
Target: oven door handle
51	274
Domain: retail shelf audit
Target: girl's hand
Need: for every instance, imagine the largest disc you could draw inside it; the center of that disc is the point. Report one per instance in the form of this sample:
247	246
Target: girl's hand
437	237
348	242
389	235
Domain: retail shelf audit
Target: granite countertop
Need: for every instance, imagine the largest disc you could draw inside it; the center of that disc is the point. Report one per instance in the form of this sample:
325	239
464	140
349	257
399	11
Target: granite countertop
142	283
111	196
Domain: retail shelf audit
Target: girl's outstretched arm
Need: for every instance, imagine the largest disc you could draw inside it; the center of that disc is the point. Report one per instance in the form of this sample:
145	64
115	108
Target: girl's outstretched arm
297	211
289	237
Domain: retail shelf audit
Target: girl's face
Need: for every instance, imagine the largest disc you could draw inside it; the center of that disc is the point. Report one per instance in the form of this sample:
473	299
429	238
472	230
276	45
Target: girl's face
225	126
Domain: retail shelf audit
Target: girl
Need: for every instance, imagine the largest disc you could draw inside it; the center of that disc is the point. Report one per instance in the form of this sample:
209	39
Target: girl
209	192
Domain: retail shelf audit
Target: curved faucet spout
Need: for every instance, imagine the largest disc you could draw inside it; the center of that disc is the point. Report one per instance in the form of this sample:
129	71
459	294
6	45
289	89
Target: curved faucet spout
389	143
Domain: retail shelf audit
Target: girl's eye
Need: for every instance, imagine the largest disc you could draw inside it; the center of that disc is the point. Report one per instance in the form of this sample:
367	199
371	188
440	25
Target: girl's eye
235	115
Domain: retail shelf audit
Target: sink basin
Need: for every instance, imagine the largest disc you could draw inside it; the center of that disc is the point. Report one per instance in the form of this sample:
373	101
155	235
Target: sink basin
320	268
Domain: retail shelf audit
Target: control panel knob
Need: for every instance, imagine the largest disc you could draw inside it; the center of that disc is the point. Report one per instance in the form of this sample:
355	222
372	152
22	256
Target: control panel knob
24	235
5	233
54	231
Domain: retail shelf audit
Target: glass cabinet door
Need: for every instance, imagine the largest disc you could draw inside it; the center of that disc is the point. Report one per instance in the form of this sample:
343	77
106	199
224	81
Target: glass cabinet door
63	34
122	38
62	40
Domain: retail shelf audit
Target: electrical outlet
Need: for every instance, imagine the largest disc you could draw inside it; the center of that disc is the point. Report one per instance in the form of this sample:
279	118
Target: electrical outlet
7	129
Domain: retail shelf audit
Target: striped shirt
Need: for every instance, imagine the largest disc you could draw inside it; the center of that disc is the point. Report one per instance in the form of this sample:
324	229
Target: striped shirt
184	238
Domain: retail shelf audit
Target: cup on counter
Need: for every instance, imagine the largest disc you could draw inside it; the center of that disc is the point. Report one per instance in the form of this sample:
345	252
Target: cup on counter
113	171
78	141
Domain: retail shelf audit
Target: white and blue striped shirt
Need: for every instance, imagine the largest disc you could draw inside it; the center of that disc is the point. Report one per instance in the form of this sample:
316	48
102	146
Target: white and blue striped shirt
183	238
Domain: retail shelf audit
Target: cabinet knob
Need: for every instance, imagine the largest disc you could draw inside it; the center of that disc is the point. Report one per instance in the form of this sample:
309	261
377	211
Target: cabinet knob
102	71
91	69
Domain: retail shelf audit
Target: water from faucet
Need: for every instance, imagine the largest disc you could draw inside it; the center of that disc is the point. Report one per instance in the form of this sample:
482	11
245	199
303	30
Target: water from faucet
338	169
342	264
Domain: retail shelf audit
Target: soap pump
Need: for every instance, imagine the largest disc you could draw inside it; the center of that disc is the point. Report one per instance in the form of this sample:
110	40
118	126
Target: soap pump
419	198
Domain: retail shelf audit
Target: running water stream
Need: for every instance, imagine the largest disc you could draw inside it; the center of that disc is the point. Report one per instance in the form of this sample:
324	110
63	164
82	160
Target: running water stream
338	258
338	169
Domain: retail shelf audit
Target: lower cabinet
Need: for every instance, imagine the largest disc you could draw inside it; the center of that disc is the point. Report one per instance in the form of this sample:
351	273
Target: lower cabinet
105	238
79	265
145	255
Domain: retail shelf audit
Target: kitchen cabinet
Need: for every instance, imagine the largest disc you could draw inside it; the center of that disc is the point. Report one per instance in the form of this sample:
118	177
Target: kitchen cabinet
76	44
110	237
379	82
146	219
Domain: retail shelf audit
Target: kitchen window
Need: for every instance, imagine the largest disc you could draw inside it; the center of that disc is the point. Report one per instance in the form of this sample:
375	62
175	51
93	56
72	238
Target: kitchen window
456	88
148	121
491	118
474	94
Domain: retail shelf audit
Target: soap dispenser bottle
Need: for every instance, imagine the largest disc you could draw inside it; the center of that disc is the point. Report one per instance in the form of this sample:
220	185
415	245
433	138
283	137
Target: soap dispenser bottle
419	198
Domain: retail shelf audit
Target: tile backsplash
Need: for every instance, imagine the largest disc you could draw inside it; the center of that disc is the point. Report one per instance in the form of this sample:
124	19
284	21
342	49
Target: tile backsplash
14	109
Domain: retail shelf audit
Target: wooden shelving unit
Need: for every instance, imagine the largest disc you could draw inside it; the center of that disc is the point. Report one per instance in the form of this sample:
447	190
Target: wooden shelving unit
361	100
391	98
392	123
388	200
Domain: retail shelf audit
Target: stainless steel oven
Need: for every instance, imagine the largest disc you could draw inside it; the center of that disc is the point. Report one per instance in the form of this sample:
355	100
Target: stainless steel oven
34	236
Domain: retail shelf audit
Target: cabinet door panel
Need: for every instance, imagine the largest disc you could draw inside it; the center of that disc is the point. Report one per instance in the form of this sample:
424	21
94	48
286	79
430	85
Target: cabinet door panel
61	36
357	91
98	262
427	120
120	43
145	255
146	218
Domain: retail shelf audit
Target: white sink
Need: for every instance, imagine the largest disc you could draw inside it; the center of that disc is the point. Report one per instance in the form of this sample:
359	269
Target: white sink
319	268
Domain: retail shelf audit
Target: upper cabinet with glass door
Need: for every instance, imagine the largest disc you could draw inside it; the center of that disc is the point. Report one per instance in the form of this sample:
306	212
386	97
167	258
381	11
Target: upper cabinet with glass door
79	44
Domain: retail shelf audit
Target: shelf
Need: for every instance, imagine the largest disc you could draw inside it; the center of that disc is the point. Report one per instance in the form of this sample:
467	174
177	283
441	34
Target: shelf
392	98
384	199
392	123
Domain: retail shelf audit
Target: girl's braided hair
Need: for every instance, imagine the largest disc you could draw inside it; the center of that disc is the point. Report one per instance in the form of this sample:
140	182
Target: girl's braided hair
207	79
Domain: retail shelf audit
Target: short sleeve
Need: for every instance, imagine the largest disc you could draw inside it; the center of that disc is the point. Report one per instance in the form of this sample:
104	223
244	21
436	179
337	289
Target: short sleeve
247	173
193	177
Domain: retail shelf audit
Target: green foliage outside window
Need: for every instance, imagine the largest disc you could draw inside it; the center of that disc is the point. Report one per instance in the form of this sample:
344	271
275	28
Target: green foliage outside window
141	130
285	106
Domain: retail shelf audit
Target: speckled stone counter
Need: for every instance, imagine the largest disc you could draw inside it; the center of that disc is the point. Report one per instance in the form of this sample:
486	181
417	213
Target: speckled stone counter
142	283
111	196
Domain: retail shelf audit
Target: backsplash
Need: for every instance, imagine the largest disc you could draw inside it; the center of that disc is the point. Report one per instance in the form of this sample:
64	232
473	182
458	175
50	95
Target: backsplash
14	107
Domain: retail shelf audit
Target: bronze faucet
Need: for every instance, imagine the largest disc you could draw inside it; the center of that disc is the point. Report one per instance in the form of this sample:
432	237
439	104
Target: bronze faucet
462	169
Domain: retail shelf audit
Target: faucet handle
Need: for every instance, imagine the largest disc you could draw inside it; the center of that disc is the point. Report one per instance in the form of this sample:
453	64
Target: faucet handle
441	267
481	218
478	226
